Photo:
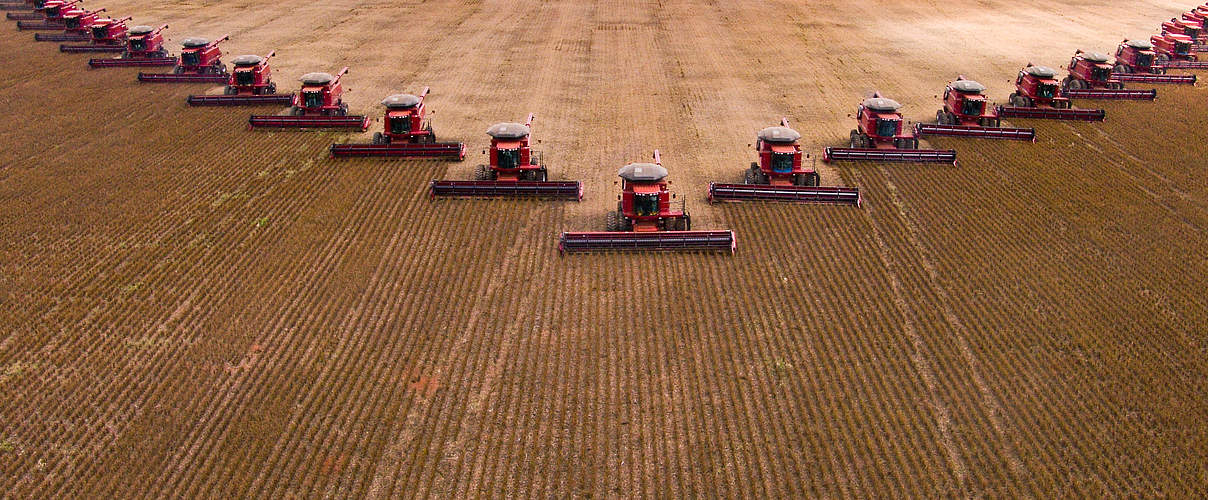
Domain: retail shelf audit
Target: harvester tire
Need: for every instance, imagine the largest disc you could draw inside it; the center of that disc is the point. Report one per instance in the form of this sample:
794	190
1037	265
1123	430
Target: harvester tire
295	111
612	223
814	180
482	173
1122	68
378	138
229	90
178	70
271	89
748	177
855	140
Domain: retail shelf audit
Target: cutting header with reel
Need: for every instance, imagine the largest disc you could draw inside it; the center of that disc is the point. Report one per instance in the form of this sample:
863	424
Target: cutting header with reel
645	220
781	174
514	170
406	133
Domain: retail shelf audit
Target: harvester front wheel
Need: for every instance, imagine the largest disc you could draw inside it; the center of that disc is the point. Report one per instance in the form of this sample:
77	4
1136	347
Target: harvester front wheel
748	177
296	111
612	222
1122	68
271	89
1162	59
378	138
482	173
229	90
855	139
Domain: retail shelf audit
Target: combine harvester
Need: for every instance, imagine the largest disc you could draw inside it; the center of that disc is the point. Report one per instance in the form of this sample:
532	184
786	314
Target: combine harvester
77	26
53	12
1136	62
1176	51
144	48
645	221
966	113
515	171
1036	96
780	174
1090	77
35	5
200	62
11	6
1189	28
879	137
105	35
250	84
406	133
319	104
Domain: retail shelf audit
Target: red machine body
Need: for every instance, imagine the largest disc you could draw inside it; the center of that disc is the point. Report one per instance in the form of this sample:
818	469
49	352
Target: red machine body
1090	77
76	27
250	84
1137	62
200	62
318	104
645	219
1176	26
968	113
105	34
1038	95
144	47
514	170
880	136
406	132
1171	47
781	174
52	15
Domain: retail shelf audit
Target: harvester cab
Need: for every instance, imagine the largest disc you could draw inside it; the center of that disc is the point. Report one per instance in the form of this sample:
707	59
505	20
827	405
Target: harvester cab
1037	96
405	120
55	10
201	56
1136	56
781	174
108	31
1177	26
1090	70
252	76
319	104
1172	47
511	156
968	113
321	94
645	220
145	42
879	126
51	18
406	133
103	34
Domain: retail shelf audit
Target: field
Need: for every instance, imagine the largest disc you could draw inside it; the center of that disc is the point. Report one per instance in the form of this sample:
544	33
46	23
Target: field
189	308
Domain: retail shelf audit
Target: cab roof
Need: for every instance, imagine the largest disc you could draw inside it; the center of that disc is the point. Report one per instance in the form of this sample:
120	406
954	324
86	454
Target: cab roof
882	105
508	130
1139	44
317	78
642	172
195	42
401	101
1095	57
968	87
141	29
779	135
247	60
1041	71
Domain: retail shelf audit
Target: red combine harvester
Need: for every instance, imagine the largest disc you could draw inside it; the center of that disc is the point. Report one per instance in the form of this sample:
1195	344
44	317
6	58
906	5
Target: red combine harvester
1136	62
52	16
144	47
967	113
76	27
1190	29
406	133
880	137
780	174
1176	51
35	5
645	221
250	84
200	62
1090	77
515	170
319	104
105	34
1037	96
